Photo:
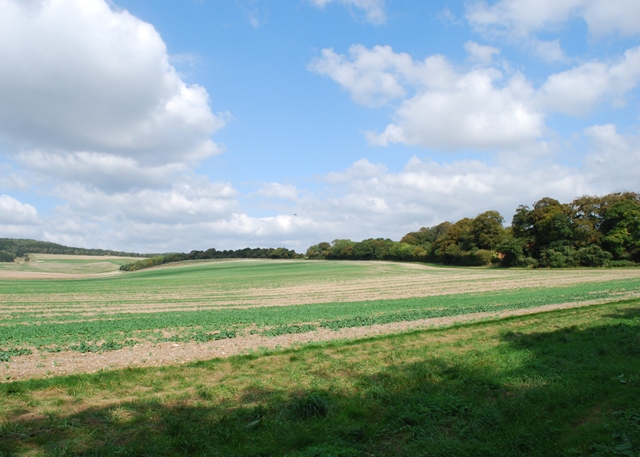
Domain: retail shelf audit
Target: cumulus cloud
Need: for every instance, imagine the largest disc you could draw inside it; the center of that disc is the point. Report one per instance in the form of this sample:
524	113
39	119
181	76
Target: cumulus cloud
107	172
426	192
483	108
480	53
373	10
185	202
578	90
13	212
448	109
372	77
278	191
87	77
522	18
614	160
362	201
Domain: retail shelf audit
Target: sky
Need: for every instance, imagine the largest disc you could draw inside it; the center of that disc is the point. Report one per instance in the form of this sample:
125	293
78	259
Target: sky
164	125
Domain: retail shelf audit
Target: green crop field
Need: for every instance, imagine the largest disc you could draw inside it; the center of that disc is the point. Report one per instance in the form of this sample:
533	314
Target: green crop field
198	302
562	381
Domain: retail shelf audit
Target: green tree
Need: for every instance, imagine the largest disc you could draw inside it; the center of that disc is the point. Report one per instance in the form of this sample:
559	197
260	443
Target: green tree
487	231
621	230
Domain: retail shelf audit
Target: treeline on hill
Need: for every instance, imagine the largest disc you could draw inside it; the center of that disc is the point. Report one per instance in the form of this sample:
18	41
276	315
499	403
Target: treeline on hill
590	231
246	253
11	248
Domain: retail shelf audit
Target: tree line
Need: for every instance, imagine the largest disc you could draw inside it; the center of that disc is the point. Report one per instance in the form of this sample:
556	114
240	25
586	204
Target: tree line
11	248
590	231
246	253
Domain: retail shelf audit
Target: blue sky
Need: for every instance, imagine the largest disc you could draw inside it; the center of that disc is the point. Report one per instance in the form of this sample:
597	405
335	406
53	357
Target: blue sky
160	125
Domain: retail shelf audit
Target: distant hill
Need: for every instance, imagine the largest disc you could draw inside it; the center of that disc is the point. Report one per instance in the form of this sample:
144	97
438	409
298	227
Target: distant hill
14	247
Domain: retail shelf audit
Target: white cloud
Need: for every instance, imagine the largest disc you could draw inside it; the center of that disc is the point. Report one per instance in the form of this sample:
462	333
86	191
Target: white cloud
474	113
13	212
522	18
578	90
613	16
107	172
444	108
373	10
187	202
372	77
551	51
279	191
480	53
89	78
363	201
449	110
427	193
614	160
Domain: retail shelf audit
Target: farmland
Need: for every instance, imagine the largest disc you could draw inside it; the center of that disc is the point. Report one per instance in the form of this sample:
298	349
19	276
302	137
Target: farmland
197	310
324	358
52	265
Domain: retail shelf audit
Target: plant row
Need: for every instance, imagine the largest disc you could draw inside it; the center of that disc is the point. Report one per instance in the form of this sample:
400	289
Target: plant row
207	325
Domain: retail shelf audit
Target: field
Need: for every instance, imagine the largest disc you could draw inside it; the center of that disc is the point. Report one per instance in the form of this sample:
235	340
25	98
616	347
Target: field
200	310
62	266
263	357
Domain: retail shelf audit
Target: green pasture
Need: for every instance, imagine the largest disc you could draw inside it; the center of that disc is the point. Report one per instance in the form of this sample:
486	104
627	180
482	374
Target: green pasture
563	383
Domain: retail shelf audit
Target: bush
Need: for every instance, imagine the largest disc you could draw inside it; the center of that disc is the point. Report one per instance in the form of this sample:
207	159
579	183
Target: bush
482	257
557	259
622	263
593	256
512	252
6	257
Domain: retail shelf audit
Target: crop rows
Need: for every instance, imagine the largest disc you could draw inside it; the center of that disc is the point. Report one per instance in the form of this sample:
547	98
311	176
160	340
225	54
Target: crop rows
102	331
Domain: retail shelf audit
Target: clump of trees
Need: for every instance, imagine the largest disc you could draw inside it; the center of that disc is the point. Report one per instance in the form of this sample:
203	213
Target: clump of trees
21	247
246	253
590	231
467	242
6	256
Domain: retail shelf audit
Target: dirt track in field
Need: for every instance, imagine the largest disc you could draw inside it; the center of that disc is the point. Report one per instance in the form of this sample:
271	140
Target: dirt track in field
42	365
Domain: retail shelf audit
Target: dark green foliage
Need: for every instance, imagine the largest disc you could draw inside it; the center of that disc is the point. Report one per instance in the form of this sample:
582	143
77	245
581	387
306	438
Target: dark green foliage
246	253
20	247
591	231
621	230
593	256
560	258
512	251
7	256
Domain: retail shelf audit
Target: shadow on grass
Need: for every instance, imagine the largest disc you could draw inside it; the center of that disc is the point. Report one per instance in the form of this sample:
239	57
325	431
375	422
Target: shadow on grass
566	392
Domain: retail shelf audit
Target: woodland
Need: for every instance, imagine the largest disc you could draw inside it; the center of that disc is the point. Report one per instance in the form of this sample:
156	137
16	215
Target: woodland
590	231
